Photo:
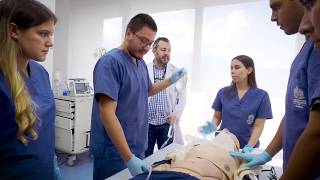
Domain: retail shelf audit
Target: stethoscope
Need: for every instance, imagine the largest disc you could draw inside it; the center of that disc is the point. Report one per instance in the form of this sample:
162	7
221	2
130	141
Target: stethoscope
156	79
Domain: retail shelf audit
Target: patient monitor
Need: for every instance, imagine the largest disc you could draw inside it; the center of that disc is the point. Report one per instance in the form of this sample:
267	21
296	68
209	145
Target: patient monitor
79	87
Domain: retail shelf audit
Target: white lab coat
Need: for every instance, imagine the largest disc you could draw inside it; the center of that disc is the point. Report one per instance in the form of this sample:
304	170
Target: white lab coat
176	94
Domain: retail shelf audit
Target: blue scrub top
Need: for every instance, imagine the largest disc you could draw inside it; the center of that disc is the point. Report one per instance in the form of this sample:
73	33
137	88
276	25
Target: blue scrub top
239	116
116	76
303	87
34	160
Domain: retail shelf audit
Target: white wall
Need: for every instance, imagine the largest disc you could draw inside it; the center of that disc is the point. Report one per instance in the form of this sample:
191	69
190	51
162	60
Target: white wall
61	46
79	31
48	64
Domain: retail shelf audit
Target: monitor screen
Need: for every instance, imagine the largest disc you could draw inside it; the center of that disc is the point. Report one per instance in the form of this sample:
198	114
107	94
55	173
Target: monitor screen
81	88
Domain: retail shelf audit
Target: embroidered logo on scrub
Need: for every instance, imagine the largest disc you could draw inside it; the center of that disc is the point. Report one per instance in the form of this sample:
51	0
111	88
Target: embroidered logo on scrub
250	119
299	100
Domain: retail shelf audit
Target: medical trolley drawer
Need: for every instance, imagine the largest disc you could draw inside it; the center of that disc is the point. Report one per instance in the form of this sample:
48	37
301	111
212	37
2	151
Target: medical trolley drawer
64	103
65	109
64	123
64	140
65	114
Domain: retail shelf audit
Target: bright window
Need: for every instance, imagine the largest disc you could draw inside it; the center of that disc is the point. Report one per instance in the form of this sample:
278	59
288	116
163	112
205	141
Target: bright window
180	31
112	30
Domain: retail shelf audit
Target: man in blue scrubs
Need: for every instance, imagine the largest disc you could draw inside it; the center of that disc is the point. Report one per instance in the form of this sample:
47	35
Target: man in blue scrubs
304	166
303	87
119	126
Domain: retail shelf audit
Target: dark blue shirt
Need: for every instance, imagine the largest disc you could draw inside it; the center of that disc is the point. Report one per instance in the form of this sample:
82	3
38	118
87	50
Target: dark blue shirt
34	160
303	87
239	116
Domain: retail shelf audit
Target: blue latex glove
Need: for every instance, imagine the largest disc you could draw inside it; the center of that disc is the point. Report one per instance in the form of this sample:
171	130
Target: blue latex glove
247	149
253	159
208	128
136	166
177	75
57	171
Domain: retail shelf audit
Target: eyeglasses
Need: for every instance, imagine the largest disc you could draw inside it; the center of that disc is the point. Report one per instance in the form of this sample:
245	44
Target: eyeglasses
144	41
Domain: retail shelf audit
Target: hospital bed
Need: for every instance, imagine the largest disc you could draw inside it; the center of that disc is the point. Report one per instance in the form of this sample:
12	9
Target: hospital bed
161	154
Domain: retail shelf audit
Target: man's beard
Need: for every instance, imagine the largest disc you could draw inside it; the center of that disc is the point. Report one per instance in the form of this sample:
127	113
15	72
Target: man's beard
160	61
133	55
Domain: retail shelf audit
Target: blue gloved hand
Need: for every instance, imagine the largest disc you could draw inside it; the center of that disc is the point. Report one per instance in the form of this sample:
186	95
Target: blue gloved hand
136	166
253	159
57	171
208	128
247	148
177	75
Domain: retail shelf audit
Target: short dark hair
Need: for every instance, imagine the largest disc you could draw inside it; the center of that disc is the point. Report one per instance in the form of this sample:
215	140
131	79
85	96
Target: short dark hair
308	3
156	42
25	13
248	63
139	21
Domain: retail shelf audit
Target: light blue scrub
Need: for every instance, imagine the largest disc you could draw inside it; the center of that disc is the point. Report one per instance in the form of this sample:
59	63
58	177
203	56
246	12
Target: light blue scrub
303	87
239	116
116	76
35	160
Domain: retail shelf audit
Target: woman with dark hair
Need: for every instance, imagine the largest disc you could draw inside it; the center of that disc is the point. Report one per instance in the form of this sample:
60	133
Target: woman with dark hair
241	107
26	99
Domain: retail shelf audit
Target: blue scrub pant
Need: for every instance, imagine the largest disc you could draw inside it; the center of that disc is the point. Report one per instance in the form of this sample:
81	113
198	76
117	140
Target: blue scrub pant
159	134
104	167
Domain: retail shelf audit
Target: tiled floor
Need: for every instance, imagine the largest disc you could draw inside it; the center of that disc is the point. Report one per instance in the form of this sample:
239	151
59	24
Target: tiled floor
81	170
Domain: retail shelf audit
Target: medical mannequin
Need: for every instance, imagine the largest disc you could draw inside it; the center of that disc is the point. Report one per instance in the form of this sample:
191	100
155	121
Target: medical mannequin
208	161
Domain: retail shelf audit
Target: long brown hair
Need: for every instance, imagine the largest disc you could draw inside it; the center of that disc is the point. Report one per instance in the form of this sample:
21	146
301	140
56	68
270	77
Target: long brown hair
24	14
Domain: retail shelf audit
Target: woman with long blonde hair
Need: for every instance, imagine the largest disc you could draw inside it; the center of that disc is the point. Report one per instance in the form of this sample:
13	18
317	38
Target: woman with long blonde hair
26	99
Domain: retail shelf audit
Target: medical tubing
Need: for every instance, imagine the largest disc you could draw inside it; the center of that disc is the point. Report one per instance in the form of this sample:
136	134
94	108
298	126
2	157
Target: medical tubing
165	143
149	174
169	137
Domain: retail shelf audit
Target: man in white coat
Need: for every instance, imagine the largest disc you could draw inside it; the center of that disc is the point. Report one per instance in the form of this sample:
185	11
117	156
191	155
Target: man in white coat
166	107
